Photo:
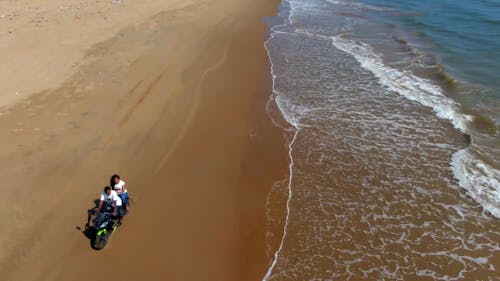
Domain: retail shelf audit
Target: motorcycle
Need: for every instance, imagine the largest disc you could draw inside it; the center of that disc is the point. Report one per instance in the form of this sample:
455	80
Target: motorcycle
105	223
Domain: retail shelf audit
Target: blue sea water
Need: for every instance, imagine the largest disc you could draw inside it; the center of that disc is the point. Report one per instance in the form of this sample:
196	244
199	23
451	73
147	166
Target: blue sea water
463	39
466	34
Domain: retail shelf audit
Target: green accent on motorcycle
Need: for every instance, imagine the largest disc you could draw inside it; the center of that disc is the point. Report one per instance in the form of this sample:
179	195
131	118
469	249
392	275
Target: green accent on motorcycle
100	232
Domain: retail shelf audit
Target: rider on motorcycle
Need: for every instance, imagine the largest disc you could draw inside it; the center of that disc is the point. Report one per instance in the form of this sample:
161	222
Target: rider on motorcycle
119	186
110	199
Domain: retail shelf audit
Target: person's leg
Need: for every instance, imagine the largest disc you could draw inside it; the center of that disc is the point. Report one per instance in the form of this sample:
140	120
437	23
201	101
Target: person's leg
119	217
124	197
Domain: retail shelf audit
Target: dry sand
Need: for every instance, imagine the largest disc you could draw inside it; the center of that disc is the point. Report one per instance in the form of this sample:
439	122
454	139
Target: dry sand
42	42
171	95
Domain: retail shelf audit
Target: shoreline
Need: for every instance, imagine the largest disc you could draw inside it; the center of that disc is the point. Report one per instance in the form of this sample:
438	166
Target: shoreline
182	118
373	191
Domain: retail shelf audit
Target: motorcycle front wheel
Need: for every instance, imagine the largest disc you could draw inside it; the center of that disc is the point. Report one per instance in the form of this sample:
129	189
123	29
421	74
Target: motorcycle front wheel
101	240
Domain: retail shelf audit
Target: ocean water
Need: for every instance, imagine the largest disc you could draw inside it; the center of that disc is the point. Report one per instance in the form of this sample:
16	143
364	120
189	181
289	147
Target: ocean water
393	113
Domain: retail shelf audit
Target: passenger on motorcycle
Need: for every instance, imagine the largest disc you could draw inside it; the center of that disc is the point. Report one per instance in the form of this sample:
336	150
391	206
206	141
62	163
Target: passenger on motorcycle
110	199
119	186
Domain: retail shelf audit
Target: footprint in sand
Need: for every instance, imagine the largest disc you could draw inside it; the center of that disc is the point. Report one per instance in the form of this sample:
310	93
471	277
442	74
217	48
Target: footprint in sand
82	89
17	130
6	112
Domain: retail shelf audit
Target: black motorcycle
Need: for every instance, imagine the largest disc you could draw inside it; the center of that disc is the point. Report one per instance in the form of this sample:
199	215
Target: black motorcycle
105	223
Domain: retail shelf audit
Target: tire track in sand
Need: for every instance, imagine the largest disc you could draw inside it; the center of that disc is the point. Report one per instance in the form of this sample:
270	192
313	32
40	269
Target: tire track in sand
194	108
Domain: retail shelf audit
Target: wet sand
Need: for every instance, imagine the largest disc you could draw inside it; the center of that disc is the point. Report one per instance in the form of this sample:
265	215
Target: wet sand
176	105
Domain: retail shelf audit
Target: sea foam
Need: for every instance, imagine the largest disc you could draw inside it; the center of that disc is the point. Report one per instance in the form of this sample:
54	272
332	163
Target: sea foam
480	180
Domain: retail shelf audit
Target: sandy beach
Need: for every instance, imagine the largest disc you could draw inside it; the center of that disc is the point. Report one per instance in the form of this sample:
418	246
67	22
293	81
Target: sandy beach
169	94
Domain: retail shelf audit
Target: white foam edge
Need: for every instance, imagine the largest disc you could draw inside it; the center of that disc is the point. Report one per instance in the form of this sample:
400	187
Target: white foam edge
479	179
404	83
269	271
357	5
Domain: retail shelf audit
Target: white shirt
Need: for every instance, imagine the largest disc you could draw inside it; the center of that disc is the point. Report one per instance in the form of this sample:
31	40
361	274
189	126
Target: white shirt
120	187
111	199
